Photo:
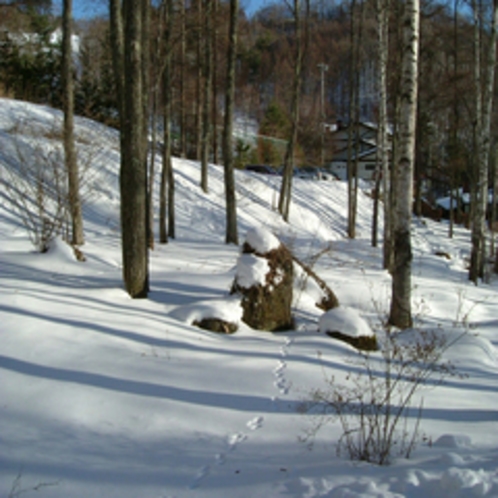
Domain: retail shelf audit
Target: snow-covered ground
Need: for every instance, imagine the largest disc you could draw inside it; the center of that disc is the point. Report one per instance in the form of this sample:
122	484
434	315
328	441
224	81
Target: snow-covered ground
101	395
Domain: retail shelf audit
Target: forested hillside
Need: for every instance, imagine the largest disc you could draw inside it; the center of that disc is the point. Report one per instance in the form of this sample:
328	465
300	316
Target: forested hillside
265	62
104	395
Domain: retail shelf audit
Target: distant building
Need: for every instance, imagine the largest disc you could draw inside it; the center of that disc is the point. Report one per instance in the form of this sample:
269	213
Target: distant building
364	150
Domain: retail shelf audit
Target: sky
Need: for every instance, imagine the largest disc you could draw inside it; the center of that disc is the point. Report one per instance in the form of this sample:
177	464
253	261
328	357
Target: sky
102	395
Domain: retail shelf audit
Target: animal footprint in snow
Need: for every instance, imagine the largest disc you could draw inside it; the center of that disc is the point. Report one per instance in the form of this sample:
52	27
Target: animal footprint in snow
280	367
255	423
235	439
281	385
220	458
200	476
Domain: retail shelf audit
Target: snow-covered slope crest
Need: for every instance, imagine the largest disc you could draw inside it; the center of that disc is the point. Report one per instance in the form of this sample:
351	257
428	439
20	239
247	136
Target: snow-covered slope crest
101	395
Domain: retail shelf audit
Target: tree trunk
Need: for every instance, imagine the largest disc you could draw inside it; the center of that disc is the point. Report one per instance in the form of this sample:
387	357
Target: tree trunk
152	168
199	87
495	211
156	77
454	183
133	177
286	187
475	269
116	38
206	101
400	314
74	200
182	112
354	119
494	205
389	181
231	210
382	166
214	89
146	100
167	186
483	108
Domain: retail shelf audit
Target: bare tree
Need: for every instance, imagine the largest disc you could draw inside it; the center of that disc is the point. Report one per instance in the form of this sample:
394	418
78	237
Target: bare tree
116	38
74	200
214	111
167	190
182	103
286	187
400	314
482	126
199	94
231	209
133	175
354	115
207	88
156	72
382	166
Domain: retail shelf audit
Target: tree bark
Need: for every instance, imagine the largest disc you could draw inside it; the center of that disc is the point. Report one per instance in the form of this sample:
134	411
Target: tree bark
494	207
206	101
116	38
483	109
167	186
382	159
182	111
133	177
154	98
214	90
231	210
286	186
74	200
199	87
354	119
146	98
400	314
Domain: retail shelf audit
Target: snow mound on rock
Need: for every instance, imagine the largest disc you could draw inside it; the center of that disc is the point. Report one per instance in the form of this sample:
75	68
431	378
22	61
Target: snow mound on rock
251	270
228	310
347	321
453	441
261	240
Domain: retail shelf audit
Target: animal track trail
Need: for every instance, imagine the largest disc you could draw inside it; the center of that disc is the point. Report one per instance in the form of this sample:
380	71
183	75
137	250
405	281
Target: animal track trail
233	441
201	475
255	423
280	381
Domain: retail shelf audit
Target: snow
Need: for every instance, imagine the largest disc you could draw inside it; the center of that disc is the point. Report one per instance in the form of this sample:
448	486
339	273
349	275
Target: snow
228	310
347	321
102	395
251	270
261	240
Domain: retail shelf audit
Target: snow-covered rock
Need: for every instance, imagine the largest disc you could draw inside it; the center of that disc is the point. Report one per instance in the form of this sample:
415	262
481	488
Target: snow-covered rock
345	320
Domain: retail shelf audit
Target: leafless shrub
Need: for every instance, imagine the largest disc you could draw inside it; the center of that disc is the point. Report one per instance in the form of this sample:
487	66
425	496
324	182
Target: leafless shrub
36	180
36	184
375	404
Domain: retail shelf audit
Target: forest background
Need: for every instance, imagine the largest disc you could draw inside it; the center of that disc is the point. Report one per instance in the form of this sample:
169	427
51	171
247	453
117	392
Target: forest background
265	61
298	71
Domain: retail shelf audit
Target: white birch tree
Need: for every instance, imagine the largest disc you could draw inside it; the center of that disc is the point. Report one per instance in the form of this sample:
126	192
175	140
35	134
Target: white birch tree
400	313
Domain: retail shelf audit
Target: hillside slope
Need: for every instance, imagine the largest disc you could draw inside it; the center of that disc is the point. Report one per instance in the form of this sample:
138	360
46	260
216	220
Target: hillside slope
106	396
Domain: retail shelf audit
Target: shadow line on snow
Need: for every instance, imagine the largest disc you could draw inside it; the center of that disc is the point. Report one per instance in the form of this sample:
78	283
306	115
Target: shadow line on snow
231	401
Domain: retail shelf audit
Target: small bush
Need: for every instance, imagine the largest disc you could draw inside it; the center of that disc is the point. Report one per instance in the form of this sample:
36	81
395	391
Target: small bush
37	190
375	403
